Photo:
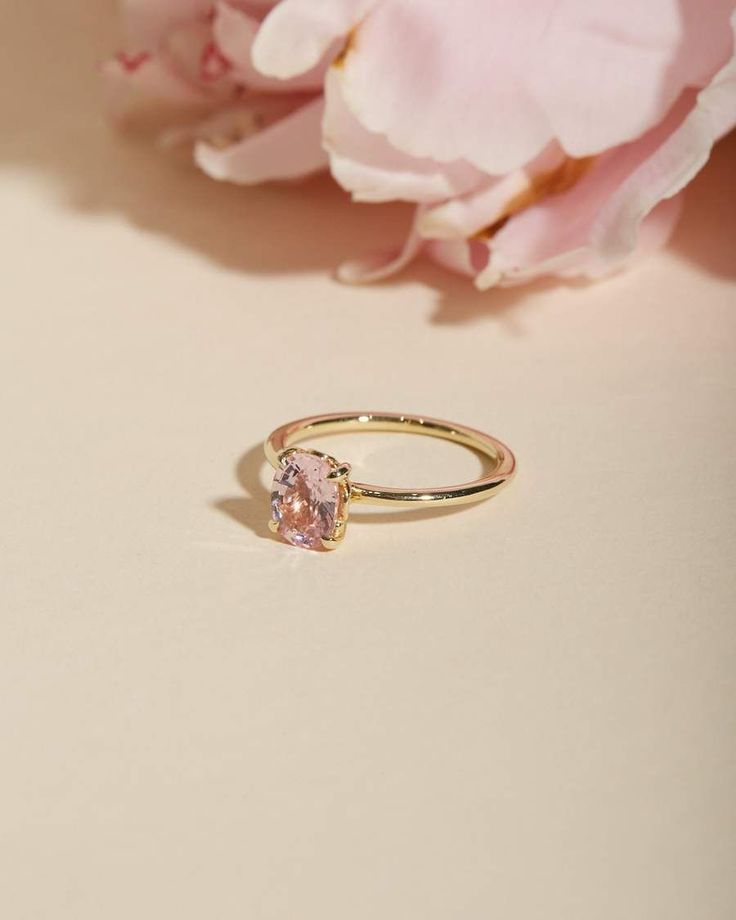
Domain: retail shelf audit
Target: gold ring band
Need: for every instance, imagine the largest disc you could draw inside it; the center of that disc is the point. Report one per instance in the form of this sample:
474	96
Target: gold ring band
312	490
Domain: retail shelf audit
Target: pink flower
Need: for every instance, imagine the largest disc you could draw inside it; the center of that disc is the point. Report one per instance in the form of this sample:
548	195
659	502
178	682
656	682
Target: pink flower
534	137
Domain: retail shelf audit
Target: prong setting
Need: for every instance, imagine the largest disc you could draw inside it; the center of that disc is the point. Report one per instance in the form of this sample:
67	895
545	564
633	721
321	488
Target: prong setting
284	457
336	537
341	472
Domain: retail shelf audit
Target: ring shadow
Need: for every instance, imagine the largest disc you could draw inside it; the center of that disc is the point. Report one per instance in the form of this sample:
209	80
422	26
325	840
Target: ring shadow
251	509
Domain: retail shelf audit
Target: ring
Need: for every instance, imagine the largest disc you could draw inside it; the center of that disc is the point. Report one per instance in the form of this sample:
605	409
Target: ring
312	491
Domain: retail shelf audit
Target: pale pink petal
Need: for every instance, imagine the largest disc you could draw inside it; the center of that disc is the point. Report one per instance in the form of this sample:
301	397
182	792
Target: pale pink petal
493	84
235	32
421	77
561	224
653	232
466	215
595	227
288	149
457	255
671	166
372	170
631	61
657	227
297	34
380	265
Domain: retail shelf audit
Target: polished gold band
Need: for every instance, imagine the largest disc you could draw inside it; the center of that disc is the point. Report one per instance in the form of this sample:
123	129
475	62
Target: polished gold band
502	460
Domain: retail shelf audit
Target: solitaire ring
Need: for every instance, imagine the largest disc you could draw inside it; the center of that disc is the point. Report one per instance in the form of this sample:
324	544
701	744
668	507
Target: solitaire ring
312	491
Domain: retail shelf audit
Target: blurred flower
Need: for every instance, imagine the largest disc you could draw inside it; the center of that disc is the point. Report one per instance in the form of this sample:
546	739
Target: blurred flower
534	137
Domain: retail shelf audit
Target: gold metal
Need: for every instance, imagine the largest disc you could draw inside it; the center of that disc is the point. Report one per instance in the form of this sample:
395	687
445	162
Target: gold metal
279	446
338	534
341	472
279	442
284	457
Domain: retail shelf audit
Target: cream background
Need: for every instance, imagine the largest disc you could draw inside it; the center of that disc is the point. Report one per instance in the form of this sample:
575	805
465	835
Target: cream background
520	710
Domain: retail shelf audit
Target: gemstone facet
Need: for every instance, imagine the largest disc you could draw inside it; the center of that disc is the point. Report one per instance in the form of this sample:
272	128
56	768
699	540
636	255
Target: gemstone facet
306	505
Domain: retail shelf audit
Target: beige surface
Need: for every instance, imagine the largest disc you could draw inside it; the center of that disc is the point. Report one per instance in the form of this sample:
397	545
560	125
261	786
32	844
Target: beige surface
521	710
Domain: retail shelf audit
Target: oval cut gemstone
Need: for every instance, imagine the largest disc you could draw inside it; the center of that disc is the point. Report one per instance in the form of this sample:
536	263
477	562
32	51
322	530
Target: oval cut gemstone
304	502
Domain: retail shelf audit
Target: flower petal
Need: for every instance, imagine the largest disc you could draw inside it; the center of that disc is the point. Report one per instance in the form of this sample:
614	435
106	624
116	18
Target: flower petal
297	34
492	200
597	225
457	255
288	149
632	62
592	75
372	170
235	32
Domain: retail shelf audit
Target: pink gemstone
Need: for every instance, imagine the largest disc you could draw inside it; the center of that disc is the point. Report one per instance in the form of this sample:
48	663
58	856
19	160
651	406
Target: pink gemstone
304	502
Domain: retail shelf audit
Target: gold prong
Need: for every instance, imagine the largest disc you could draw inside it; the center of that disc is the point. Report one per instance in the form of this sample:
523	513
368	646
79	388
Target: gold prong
341	472
273	526
284	456
336	537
